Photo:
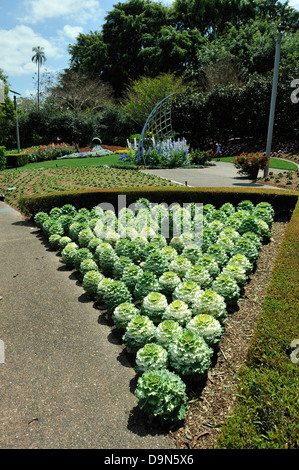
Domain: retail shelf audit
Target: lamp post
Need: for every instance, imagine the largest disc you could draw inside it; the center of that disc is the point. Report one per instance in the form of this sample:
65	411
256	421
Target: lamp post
17	123
273	101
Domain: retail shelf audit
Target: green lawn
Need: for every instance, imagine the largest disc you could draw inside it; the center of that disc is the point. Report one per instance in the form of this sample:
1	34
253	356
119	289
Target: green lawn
276	163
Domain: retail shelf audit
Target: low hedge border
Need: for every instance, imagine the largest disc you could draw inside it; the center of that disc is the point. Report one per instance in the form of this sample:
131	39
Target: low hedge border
266	414
283	202
15	160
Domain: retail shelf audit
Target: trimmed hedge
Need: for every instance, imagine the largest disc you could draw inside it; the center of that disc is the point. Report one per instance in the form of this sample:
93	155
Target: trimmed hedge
283	202
15	160
267	411
2	158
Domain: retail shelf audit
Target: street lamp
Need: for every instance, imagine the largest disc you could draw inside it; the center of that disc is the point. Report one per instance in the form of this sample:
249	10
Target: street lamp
17	123
273	101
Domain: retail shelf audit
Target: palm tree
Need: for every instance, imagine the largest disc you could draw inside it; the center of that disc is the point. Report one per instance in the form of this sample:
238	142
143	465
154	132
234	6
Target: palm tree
39	57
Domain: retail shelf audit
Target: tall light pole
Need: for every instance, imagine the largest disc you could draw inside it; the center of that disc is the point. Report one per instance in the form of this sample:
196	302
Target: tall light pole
273	101
17	122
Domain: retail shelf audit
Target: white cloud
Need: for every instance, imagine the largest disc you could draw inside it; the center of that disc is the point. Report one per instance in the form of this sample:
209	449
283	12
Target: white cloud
71	31
16	50
78	10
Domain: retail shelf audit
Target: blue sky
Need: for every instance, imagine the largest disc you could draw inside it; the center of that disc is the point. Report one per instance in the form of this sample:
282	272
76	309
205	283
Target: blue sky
51	24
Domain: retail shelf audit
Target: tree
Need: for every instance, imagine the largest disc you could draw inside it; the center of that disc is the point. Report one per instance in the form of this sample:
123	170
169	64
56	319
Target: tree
7	112
39	57
143	94
75	91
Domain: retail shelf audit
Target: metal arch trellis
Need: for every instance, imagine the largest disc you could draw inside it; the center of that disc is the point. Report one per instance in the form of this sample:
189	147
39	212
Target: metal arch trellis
158	125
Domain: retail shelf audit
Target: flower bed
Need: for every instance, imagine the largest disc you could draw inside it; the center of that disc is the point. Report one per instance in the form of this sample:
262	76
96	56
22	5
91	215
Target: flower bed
180	316
50	152
250	164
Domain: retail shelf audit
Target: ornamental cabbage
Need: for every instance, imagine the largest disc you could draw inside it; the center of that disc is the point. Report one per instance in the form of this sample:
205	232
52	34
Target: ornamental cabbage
69	252
210	303
40	218
166	332
63	241
218	253
146	283
151	356
162	394
242	261
93	244
88	264
192	252
75	228
206	326
116	293
140	331
246	205
226	243
123	313
249	224
156	263
168	282
200	275
265	229
237	272
209	263
189	354
154	306
84	237
226	286
169	252
120	264
246	247
180	265
177	310
130	275
187	291
107	259
91	280
177	243
80	255
254	238
54	241
102	287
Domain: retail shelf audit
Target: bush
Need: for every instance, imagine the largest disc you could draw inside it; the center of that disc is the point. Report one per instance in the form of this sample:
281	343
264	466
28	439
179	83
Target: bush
2	158
16	160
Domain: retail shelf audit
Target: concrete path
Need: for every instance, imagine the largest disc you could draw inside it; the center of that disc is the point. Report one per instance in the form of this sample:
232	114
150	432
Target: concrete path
65	381
223	174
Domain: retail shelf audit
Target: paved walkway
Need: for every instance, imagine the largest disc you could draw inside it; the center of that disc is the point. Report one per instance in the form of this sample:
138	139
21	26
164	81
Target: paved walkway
65	381
223	174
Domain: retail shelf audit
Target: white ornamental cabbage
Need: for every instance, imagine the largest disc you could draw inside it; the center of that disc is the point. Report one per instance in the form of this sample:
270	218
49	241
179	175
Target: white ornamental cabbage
140	331
84	237
219	253
151	356
200	275
80	255
226	243
209	263
123	313
177	243
242	261
54	241
169	252
166	331
64	241
156	263
154	306
208	327
237	272
187	291
180	265
88	264
210	303
179	311
226	286
168	282
192	252
130	275
189	354
91	281
246	247
102	287
68	253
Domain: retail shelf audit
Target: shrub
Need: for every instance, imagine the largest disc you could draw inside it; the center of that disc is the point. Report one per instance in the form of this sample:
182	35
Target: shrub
162	394
2	158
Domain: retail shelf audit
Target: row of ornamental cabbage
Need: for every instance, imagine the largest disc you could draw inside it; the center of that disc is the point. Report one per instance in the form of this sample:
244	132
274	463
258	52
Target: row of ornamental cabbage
168	295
